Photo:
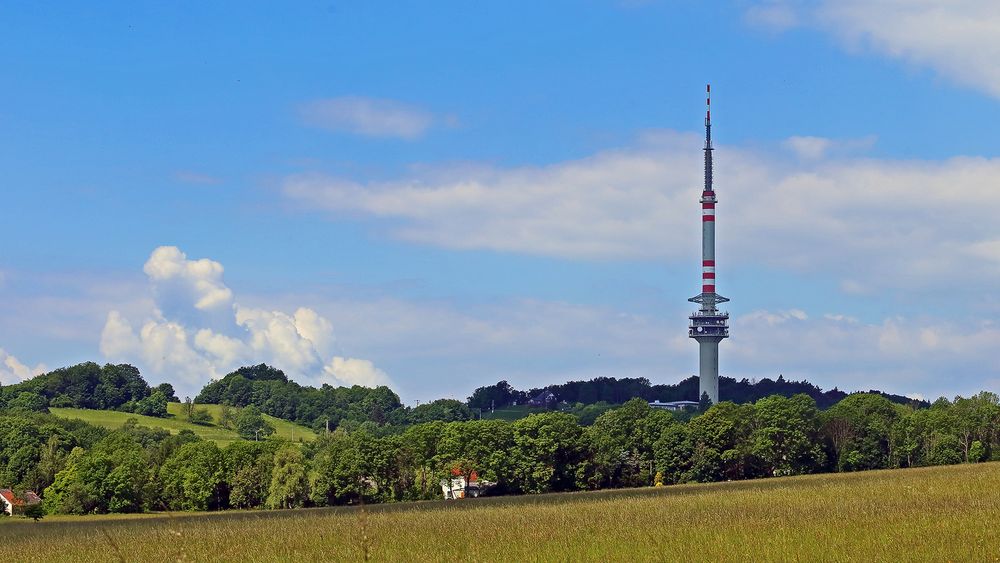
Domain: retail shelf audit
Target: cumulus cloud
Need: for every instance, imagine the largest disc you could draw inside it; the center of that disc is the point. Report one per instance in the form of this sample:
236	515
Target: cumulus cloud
355	372
959	39
13	370
881	224
175	344
200	281
370	117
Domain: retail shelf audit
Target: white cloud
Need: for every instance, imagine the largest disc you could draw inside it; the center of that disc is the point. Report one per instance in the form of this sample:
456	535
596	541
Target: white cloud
171	273
613	204
772	15
355	372
815	148
959	39
14	371
370	117
808	147
880	224
174	344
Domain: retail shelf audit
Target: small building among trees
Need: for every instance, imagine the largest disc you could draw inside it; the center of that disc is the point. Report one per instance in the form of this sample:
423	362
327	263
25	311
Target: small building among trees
544	399
16	504
675	405
456	487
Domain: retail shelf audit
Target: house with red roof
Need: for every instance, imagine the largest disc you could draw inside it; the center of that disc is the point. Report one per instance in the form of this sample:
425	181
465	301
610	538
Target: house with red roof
14	504
456	487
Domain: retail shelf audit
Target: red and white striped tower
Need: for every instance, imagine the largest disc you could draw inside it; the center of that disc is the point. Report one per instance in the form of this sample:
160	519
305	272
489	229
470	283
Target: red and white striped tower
708	325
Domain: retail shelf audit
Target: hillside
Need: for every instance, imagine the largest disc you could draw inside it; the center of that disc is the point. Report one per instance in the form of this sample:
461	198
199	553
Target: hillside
934	514
175	423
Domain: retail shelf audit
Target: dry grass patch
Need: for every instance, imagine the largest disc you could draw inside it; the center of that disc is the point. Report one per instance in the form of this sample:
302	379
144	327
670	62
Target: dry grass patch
933	514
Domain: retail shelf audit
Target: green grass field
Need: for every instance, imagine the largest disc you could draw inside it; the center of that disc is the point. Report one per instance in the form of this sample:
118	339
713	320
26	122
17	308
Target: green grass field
934	514
176	423
512	413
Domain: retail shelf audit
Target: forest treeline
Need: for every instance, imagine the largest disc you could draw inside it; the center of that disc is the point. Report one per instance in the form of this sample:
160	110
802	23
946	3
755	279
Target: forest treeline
82	469
615	391
117	387
121	387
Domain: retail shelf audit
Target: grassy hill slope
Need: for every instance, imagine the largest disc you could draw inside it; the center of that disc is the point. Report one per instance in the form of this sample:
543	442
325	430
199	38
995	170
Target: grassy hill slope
931	514
512	413
176	422
282	427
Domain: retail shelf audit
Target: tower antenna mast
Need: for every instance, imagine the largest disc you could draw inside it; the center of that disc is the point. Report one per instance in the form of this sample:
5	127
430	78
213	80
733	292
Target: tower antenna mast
708	325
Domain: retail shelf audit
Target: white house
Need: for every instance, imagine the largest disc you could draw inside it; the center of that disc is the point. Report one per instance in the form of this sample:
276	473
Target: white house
455	488
11	503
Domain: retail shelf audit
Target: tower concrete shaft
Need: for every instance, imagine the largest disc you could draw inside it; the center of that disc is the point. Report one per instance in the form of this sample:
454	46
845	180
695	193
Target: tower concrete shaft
708	325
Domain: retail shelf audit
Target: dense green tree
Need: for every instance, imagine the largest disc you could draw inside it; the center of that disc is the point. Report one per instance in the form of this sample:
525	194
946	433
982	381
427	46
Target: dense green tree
200	416
587	414
193	477
446	410
289	486
66	494
27	401
860	431
421	441
34	511
785	438
975	420
153	405
946	450
87	385
227	417
19	448
274	394
51	460
486	445
168	392
250	424
337	475
622	440
719	440
118	384
111	477
549	452
977	452
248	467
673	453
495	396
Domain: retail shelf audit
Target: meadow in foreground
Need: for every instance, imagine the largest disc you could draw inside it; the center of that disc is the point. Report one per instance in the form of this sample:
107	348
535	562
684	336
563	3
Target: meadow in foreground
935	514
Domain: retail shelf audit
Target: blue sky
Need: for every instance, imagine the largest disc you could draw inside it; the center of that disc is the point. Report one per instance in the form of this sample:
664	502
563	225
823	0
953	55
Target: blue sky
438	196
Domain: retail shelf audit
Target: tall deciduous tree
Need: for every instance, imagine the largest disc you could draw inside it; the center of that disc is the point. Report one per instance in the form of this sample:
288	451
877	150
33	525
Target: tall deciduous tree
289	484
193	477
250	424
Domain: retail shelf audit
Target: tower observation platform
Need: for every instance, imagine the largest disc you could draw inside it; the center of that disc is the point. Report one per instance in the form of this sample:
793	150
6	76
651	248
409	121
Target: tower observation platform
709	325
